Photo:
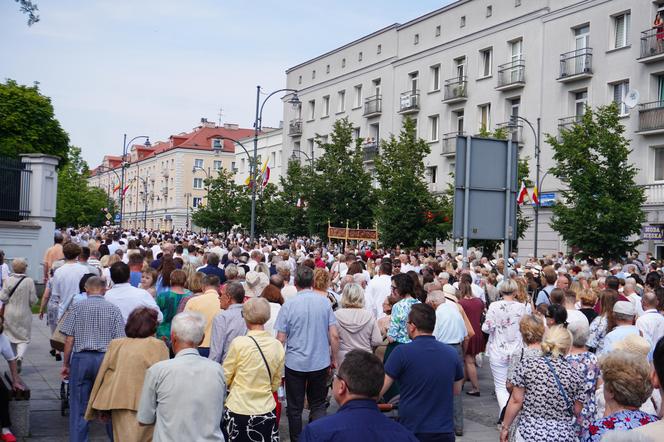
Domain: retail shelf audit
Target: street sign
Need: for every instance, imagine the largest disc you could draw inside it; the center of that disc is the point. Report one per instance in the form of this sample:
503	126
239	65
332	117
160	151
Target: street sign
109	216
117	218
652	233
108	223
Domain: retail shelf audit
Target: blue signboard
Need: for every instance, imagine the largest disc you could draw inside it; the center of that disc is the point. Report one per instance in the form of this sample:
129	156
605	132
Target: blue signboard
652	233
547	199
117	217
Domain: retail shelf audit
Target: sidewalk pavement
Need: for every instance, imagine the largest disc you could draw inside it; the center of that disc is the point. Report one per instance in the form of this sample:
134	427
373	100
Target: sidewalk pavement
42	375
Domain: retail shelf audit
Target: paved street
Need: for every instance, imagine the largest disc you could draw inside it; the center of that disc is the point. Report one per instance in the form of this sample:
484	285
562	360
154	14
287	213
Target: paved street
42	374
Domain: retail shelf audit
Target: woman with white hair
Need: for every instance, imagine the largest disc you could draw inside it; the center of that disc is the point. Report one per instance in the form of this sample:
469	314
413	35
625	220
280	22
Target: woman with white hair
502	326
18	295
586	364
357	327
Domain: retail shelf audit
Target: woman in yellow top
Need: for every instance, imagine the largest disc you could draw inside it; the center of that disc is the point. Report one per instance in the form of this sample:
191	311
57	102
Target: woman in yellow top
117	389
253	368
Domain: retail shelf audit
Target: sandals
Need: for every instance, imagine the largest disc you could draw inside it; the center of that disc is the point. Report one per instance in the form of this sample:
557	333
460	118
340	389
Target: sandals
473	393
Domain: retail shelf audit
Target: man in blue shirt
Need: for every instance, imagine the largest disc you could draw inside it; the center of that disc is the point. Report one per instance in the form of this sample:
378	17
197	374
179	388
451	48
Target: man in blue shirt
356	388
307	325
135	269
212	267
429	374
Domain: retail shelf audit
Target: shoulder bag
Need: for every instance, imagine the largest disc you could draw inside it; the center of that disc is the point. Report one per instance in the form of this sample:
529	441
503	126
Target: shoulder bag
58	339
2	309
269	372
563	393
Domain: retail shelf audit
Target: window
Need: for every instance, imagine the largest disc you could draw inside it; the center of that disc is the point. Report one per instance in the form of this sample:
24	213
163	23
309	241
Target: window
299	79
358	96
343	63
660	89
359	56
580	102
435	77
312	109
433	128
489	11
216	143
233	166
619	94
516	50
242	166
326	106
327	69
462	22
197	201
514	104
379	49
416	39
659	164
621	25
517	3
438	31
376	86
486	56
217	165
273	159
458	120
356	133
198	183
431	174
485	116
413	79
313	74
341	99
198	163
460	67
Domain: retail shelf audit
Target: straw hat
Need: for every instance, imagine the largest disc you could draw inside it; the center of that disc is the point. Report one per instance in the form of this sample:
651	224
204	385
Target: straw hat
633	344
254	283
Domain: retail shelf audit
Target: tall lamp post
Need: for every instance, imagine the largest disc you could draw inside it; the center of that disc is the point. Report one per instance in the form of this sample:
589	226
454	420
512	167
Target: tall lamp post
258	123
207	175
538	182
301	152
187	196
107	170
125	164
146	196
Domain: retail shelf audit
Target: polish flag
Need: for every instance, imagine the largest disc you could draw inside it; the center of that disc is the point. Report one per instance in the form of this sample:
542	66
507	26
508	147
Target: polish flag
523	193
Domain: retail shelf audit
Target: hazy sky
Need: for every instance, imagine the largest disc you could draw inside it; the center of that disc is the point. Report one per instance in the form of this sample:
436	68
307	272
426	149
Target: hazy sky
148	67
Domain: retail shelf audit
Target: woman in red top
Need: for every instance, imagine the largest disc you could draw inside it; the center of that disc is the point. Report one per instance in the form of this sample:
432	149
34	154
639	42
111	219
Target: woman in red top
474	307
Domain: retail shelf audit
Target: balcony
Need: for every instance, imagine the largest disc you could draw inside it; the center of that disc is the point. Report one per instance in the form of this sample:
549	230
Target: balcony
652	48
373	106
450	142
456	90
514	131
409	102
511	75
370	149
295	127
654	194
576	65
651	118
568	122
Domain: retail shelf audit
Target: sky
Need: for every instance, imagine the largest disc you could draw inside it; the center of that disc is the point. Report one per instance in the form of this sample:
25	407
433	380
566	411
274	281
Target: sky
156	67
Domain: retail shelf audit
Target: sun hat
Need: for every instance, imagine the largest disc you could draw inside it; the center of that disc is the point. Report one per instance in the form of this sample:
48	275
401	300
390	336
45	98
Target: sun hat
254	283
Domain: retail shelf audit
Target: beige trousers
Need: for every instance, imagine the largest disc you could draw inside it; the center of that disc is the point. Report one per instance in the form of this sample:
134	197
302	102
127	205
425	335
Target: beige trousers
127	429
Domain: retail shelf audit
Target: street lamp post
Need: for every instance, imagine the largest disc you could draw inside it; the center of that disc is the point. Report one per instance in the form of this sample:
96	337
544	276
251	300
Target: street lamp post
107	170
538	182
258	123
187	196
301	152
124	165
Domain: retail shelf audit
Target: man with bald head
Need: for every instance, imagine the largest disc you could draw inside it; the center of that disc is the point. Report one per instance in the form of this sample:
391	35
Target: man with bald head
651	322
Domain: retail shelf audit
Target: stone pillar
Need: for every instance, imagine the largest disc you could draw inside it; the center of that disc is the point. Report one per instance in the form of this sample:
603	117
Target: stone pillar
43	185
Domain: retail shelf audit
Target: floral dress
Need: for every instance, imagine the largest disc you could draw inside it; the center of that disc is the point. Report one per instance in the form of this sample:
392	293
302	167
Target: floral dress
545	416
400	312
597	333
622	420
502	325
586	364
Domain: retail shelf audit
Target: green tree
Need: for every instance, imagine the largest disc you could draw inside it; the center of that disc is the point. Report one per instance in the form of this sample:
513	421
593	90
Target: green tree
30	9
224	202
265	207
28	124
602	203
341	189
287	217
407	213
78	203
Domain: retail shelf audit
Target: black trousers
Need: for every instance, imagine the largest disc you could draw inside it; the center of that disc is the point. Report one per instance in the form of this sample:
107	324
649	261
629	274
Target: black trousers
299	383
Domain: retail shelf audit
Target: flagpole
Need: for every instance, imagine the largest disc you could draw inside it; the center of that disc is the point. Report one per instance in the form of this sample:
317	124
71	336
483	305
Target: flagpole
538	186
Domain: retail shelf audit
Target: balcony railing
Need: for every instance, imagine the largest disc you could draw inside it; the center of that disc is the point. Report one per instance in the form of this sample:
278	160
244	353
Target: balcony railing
651	116
511	75
15	185
450	142
652	47
370	149
295	127
576	64
568	122
456	89
654	194
373	105
409	101
514	131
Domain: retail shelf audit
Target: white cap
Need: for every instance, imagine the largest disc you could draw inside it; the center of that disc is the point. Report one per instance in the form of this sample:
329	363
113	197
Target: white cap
624	308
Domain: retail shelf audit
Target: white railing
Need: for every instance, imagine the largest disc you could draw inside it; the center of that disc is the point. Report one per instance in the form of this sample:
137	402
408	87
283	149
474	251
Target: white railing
654	194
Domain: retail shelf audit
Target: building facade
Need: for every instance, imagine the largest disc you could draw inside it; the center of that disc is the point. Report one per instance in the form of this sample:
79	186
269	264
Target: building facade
473	65
165	182
269	149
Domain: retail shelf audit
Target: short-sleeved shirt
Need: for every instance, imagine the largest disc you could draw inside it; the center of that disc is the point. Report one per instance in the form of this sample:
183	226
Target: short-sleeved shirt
306	320
622	420
618	334
93	323
399	317
426	371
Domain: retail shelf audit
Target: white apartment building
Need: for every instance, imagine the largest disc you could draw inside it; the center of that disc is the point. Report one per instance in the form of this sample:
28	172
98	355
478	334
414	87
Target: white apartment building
269	149
476	63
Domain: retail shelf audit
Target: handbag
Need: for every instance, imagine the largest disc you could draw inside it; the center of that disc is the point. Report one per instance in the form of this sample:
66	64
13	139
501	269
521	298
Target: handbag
2	309
57	338
563	393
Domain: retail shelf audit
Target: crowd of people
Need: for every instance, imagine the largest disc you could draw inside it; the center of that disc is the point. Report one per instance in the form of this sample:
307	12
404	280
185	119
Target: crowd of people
178	336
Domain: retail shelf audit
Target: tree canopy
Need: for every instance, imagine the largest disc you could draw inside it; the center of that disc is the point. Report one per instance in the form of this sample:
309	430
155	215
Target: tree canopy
602	203
28	123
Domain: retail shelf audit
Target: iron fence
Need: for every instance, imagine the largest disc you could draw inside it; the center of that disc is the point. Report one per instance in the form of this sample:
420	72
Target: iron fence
14	189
